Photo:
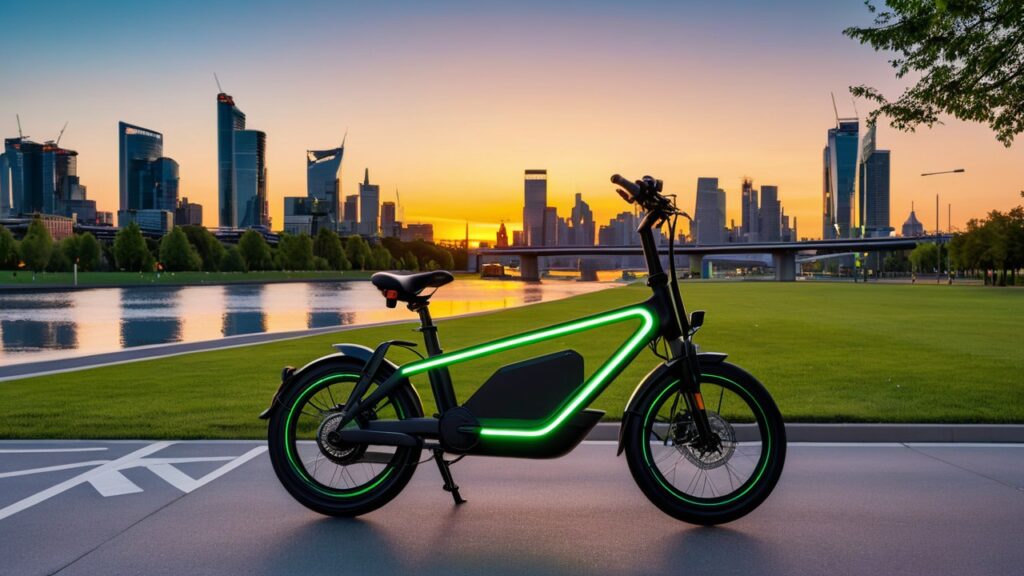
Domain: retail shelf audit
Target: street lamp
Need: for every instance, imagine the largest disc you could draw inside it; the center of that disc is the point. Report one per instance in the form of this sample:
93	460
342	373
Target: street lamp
938	246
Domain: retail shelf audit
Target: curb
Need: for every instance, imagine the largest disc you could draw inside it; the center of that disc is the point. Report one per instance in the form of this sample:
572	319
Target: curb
798	432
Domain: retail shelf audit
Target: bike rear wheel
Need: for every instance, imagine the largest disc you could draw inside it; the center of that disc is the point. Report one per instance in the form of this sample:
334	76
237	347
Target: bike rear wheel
332	479
707	486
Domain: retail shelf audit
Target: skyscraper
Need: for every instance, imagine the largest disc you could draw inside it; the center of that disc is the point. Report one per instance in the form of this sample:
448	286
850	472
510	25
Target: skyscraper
369	206
323	181
873	188
770	221
188	213
23	183
709	213
840	173
387	220
5	186
250	148
550	226
750	216
535	191
350	218
581	224
137	147
229	120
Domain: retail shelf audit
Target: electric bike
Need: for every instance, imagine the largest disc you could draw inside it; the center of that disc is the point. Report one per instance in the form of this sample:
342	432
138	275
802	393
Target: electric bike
703	439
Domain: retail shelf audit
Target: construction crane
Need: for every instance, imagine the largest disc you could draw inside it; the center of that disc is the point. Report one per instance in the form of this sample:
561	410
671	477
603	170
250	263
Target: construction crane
57	143
20	135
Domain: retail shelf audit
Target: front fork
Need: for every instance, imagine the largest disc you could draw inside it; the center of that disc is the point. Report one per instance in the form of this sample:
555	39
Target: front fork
688	372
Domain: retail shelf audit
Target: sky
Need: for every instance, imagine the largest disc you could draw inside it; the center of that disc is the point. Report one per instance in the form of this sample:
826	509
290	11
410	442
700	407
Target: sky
448	102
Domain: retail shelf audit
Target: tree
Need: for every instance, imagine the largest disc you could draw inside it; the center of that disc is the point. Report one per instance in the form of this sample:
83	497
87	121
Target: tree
969	55
327	245
295	252
233	261
8	249
36	246
358	253
255	251
924	257
131	252
177	254
88	252
210	250
63	255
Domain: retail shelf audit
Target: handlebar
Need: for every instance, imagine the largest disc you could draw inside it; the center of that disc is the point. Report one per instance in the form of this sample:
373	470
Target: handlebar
646	193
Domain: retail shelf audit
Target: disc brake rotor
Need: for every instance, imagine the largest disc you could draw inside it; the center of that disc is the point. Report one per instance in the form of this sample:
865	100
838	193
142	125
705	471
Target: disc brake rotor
713	458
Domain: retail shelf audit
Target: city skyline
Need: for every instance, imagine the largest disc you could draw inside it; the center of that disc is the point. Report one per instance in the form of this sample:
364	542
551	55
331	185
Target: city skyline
411	120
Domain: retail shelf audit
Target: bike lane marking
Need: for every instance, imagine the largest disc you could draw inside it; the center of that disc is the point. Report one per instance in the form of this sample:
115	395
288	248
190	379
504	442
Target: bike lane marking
107	479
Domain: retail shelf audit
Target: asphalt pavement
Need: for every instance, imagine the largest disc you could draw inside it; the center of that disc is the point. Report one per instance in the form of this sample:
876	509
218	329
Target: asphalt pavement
215	507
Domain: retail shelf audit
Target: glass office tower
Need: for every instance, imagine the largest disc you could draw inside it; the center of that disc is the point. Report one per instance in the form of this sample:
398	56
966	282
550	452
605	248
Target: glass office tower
138	147
535	200
250	186
229	120
323	181
840	175
23	183
165	184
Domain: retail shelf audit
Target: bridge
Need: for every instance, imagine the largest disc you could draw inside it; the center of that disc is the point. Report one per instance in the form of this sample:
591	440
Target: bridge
783	253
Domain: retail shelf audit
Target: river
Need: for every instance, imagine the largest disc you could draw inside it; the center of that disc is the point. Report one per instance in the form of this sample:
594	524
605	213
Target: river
38	326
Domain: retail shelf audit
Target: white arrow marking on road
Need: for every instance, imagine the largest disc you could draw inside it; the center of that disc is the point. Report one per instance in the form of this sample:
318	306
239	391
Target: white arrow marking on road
113	483
83	477
108	480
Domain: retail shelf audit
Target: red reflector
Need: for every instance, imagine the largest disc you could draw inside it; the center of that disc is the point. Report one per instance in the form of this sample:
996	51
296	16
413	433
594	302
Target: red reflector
700	400
391	294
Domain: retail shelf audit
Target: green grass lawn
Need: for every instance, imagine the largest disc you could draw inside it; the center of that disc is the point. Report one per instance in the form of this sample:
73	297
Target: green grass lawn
24	279
828	352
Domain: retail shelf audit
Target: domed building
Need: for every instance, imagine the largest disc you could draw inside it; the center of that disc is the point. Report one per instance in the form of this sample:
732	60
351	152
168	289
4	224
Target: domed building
913	226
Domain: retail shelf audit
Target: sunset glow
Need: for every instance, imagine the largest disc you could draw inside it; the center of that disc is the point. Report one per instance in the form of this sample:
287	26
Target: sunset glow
450	103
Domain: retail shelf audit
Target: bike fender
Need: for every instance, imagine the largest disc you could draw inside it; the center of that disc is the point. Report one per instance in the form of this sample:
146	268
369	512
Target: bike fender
652	378
289	374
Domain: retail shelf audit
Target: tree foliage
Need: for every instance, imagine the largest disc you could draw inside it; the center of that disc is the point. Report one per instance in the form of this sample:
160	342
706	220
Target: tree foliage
994	244
255	251
177	254
358	253
88	252
969	55
37	246
131	252
8	249
295	252
233	261
210	250
327	245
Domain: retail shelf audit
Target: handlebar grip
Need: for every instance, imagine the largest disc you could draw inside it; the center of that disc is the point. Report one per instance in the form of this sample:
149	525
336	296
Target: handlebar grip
630	187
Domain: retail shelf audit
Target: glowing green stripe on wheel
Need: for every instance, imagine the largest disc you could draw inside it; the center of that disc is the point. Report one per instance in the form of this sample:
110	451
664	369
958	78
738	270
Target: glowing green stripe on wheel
672	489
300	469
623	355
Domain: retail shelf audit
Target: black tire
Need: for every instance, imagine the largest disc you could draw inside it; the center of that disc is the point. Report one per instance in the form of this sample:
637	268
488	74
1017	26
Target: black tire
750	460
369	476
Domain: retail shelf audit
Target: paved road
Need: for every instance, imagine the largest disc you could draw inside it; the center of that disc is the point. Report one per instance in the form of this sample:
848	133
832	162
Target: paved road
216	508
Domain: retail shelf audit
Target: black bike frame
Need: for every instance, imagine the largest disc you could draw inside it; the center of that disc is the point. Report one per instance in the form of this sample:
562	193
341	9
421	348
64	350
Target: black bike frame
662	316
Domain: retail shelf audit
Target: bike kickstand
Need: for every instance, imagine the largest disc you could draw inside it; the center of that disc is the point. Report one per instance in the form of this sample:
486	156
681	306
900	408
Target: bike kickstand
446	474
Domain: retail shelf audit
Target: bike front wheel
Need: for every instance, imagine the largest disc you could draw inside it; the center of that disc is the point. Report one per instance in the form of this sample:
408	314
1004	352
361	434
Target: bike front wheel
696	484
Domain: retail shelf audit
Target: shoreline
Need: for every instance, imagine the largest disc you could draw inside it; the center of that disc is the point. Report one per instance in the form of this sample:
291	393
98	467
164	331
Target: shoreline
51	287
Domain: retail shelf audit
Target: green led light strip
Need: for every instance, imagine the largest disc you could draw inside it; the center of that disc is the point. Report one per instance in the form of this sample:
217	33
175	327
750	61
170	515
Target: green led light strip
672	489
624	354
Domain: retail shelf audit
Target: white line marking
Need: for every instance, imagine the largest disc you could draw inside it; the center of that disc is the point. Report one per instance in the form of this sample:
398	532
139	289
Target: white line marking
113	483
47	450
52	468
81	478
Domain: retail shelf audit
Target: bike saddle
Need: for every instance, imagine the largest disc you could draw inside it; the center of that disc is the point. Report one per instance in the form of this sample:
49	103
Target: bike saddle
407	287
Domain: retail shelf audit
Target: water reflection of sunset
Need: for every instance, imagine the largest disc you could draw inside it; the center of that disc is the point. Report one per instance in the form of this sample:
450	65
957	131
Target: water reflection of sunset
62	324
